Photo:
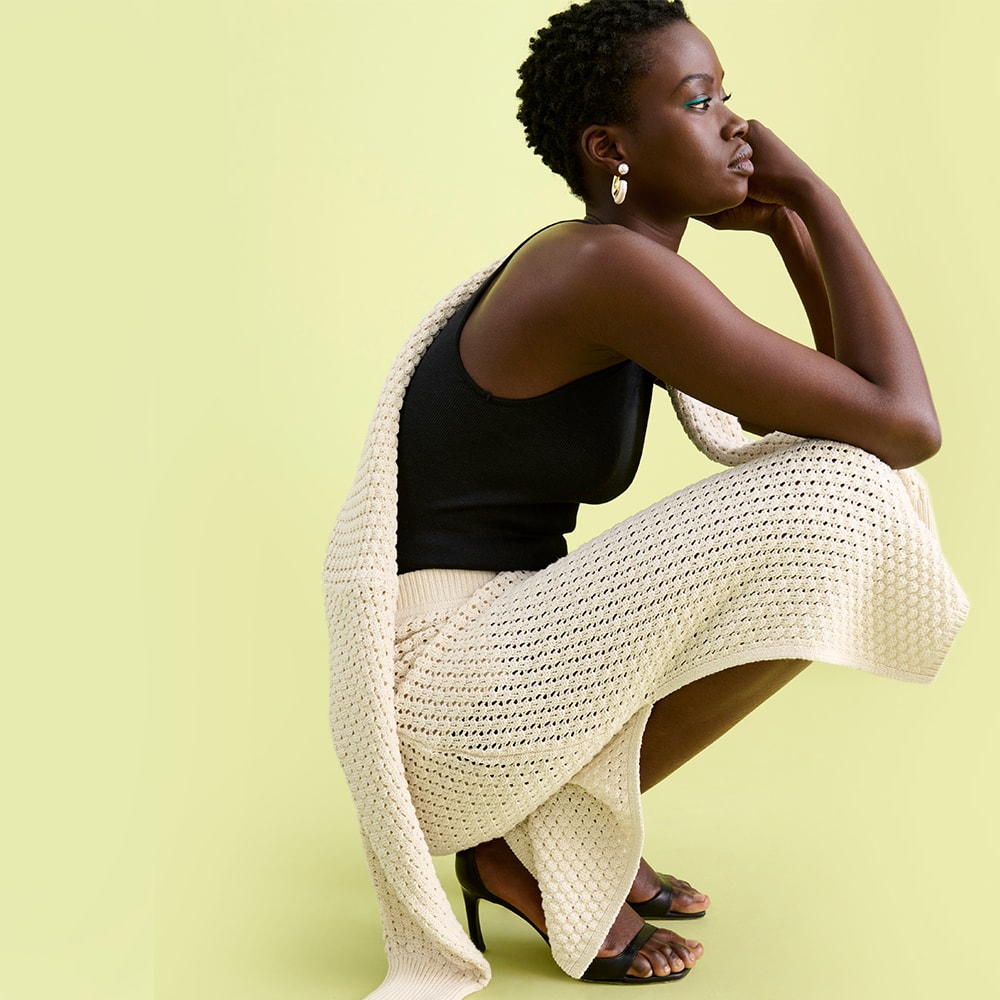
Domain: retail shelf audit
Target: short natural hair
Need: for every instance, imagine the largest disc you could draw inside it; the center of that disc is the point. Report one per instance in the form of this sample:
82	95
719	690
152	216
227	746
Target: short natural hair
580	72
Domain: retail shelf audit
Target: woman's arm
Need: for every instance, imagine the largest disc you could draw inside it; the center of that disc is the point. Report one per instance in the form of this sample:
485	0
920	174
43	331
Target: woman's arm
792	239
870	333
793	242
648	304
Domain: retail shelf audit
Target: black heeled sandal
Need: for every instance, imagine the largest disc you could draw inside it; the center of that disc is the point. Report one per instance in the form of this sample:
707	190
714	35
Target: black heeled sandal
610	970
658	907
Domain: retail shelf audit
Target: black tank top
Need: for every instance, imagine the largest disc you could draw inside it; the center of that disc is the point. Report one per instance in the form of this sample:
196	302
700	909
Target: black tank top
494	484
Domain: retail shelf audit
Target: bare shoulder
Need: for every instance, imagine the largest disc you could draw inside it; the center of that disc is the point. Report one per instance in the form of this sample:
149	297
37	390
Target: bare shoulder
574	299
579	275
540	323
571	256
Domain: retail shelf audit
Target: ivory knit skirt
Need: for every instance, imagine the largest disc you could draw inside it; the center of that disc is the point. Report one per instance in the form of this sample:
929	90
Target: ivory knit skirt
521	696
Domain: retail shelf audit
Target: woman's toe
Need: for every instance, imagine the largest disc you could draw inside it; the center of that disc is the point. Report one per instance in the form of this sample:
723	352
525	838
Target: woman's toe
686	898
642	967
666	953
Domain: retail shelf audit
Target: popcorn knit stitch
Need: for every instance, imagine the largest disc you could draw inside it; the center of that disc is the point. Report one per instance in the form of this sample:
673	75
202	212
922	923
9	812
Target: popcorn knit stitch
469	705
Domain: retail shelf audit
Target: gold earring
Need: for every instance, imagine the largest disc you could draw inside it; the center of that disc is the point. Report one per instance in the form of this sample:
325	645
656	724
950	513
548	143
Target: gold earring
619	186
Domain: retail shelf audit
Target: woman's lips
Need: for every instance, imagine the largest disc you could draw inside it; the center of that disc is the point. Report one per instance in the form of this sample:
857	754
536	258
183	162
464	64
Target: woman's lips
740	163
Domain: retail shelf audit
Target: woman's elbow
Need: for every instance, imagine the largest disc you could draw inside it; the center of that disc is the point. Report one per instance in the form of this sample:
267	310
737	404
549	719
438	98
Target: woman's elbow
916	437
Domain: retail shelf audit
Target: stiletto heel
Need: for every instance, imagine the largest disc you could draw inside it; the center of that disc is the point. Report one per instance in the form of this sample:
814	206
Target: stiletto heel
472	916
613	969
473	890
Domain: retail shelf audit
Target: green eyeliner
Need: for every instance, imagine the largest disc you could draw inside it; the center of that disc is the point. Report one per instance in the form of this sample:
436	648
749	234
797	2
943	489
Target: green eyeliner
702	100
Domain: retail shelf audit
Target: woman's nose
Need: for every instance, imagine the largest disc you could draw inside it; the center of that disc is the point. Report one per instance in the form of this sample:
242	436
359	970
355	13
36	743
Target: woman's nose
736	127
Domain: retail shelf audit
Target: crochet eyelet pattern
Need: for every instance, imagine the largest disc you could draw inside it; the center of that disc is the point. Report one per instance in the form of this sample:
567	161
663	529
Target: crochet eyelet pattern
465	706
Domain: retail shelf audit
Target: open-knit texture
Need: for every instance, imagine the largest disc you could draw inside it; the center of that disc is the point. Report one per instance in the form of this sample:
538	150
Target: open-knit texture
470	705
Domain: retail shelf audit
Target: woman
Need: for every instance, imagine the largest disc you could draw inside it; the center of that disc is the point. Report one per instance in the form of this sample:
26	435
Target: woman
505	701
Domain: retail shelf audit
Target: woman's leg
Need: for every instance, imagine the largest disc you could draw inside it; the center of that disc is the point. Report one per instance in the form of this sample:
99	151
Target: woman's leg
504	875
679	727
689	719
780	553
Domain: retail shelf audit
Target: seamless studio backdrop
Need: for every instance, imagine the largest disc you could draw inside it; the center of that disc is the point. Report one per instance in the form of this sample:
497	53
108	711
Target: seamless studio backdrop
221	220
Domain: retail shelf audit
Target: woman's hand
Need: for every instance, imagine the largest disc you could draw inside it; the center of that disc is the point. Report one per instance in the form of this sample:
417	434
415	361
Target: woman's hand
780	176
751	216
780	180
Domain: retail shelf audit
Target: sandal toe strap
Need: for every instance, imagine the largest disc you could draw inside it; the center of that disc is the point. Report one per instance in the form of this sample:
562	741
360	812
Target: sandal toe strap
615	967
656	906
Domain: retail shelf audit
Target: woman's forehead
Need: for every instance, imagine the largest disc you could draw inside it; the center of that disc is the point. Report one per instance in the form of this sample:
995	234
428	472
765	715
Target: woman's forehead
681	54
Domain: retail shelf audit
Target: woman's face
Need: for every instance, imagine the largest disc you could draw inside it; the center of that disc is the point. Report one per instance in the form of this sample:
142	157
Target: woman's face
686	151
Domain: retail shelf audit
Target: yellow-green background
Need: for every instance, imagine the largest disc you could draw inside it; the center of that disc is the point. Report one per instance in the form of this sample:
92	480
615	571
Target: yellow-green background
219	221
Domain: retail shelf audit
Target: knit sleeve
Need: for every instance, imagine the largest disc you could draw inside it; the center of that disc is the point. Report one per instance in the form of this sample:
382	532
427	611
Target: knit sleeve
430	957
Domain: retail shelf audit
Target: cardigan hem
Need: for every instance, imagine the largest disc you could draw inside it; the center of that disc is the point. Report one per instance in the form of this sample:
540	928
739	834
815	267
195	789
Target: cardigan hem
413	979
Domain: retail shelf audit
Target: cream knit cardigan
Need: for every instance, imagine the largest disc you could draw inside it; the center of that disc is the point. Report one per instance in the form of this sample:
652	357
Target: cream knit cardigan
430	956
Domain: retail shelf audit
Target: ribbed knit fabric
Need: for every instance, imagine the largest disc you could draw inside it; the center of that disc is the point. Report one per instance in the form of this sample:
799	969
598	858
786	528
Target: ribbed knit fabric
470	705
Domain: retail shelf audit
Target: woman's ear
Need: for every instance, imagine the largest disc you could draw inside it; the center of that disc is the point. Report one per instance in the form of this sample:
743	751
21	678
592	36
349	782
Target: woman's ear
601	146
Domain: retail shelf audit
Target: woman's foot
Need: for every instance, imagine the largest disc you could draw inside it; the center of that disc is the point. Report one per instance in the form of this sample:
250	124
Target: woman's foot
665	952
685	898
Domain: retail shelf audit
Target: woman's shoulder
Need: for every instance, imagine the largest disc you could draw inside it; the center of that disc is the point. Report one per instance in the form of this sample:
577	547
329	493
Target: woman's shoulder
574	243
537	326
577	263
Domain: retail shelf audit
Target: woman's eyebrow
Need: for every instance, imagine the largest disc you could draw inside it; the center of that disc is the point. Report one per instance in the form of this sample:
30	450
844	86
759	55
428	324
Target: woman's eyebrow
707	77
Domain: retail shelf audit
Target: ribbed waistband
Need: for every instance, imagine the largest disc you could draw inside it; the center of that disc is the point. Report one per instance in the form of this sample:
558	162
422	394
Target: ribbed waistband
426	589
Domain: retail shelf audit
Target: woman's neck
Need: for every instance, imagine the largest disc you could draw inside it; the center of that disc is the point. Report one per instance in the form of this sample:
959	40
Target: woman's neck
667	234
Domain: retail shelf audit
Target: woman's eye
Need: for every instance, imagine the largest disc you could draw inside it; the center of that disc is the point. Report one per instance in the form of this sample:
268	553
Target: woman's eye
703	103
